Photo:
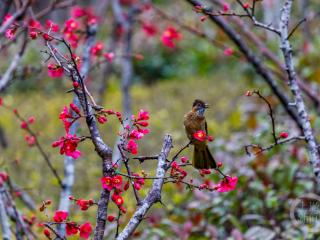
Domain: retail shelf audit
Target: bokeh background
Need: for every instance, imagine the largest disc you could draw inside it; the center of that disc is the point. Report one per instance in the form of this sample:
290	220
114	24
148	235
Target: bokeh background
165	82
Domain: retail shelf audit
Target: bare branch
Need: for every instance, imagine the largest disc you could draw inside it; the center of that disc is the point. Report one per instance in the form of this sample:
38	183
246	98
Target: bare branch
15	16
296	92
5	225
154	194
7	76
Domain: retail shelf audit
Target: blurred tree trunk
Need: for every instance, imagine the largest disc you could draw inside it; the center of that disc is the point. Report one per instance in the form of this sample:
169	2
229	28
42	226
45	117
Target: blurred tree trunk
108	67
126	72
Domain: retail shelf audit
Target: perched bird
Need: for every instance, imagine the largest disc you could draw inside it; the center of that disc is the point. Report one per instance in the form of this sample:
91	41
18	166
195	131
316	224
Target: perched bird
193	122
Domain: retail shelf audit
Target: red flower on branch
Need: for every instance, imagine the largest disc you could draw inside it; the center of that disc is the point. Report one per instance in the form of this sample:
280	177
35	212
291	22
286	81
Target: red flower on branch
60	216
169	36
227	184
78	12
53	26
117	199
109	56
85	230
200	135
284	135
149	29
97	49
68	145
110	218
117	182
54	70
71	228
132	147
31	140
107	183
84	204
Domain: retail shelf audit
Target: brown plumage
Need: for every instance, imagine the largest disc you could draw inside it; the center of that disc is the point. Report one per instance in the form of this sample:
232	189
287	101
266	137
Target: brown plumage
195	121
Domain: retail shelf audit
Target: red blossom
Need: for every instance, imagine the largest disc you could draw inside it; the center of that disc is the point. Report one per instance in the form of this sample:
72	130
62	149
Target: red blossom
283	135
102	119
67	118
68	145
204	172
110	218
31	119
54	70
210	138
184	159
85	230
200	135
33	34
107	183
117	199
132	146
143	124
53	26
34	24
71	25
10	33
109	56
169	36
227	184
84	204
135	134
97	49
219	164
228	52
3	178
117	181
149	29
71	228
143	115
60	216
47	37
47	233
24	125
77	12
75	84
31	140
246	5
226	7
1	101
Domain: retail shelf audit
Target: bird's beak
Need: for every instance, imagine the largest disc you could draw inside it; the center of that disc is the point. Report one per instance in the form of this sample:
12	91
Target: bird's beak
206	105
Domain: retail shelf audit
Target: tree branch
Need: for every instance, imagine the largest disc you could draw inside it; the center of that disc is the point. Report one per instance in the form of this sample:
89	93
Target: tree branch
296	92
154	194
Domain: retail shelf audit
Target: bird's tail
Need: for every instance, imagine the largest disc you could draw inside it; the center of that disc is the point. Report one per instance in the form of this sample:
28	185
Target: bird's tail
202	157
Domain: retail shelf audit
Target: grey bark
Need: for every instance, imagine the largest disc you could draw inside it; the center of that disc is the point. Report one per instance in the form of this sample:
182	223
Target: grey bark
154	194
286	49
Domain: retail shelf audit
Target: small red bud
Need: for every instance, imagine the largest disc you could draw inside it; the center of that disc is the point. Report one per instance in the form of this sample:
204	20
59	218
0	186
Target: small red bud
71	197
219	164
110	218
46	232
24	125
33	34
75	84
246	5
47	37
283	135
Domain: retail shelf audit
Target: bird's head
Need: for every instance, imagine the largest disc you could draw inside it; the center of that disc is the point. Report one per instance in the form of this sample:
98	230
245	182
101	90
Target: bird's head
199	106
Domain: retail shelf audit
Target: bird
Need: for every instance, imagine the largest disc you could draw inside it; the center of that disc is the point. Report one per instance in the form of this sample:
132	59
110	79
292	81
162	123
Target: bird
193	122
